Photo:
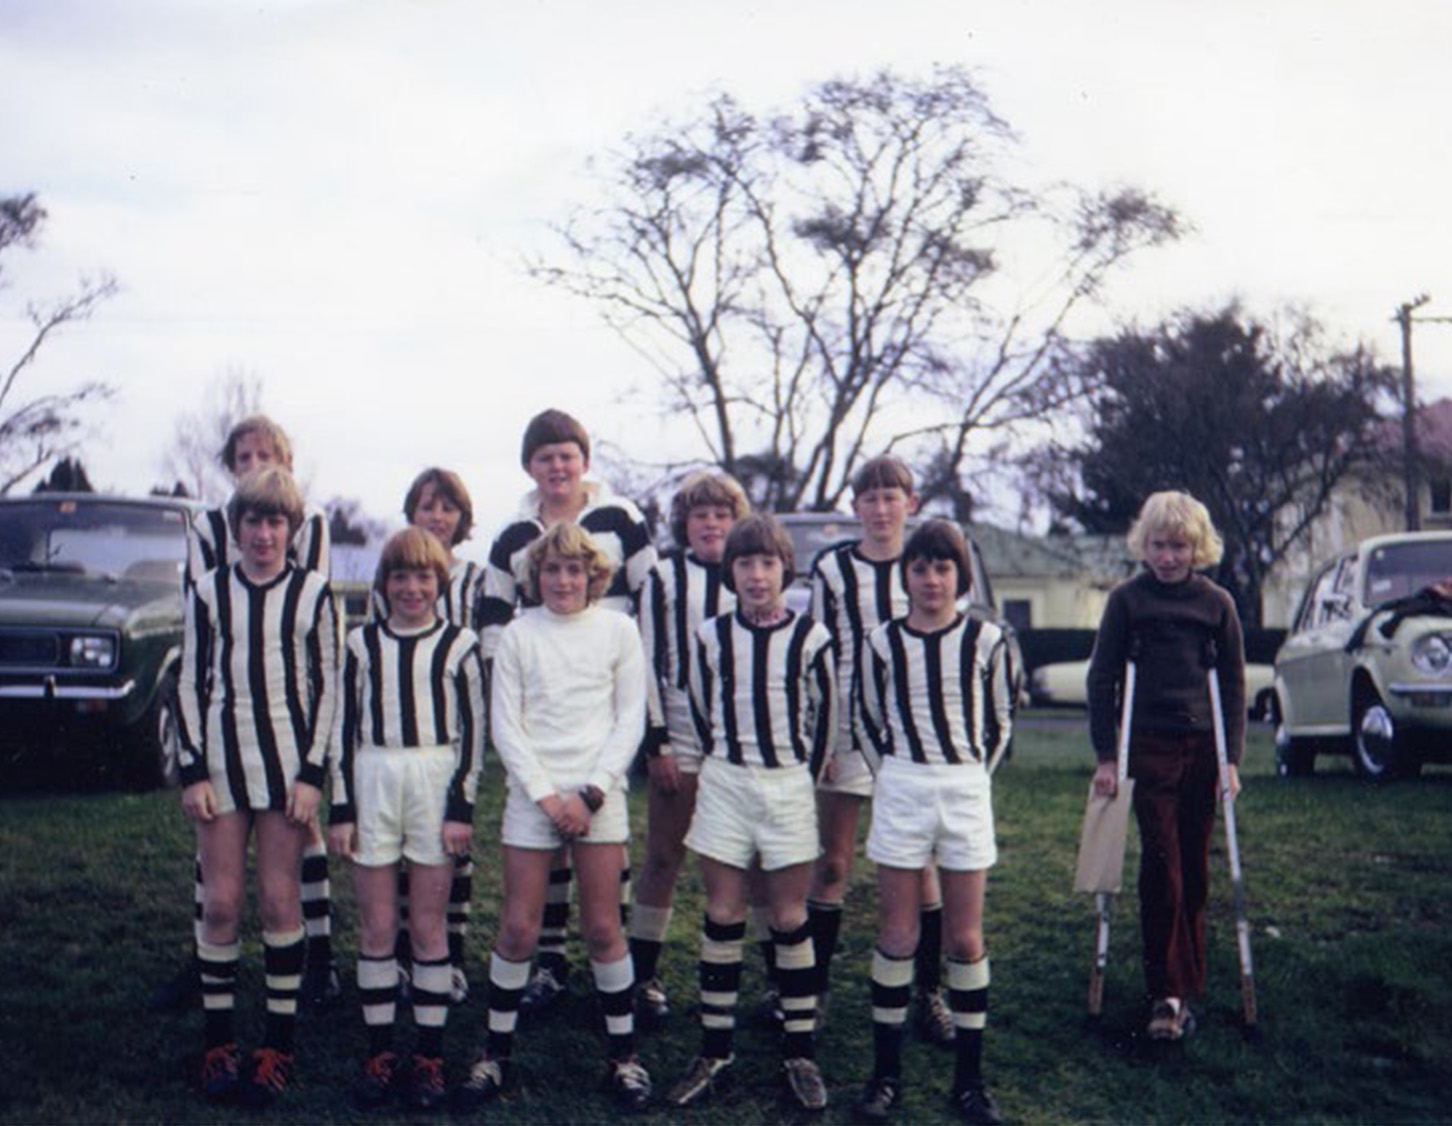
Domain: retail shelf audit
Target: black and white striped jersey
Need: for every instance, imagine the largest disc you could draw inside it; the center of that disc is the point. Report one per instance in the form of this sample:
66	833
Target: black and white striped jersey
458	603
853	595
764	695
939	697
422	689
680	593
210	544
616	526
258	686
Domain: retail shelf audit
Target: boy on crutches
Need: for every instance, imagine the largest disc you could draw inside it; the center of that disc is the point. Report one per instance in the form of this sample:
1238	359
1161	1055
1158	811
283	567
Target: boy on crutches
1176	618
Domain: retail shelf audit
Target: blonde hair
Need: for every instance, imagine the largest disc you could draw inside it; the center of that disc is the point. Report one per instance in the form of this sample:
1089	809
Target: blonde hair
257	424
412	549
570	541
701	489
270	491
1177	511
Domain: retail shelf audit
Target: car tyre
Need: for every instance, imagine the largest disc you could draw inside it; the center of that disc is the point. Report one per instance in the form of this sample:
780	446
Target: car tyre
1378	746
154	741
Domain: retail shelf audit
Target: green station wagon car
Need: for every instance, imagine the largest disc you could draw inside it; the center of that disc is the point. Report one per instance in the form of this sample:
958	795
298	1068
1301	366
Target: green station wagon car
1367	666
90	632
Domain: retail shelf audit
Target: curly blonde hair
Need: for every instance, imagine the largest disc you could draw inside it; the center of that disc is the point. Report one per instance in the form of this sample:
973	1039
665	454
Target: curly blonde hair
570	541
701	489
1176	511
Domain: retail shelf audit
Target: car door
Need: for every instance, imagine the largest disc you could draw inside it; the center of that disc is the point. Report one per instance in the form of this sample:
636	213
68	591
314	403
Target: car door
1311	668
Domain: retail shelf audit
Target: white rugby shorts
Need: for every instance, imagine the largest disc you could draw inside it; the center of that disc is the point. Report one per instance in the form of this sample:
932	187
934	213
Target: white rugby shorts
526	826
745	810
401	796
847	773
920	810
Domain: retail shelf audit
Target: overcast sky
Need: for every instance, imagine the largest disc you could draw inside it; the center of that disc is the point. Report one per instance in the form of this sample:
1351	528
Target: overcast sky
336	197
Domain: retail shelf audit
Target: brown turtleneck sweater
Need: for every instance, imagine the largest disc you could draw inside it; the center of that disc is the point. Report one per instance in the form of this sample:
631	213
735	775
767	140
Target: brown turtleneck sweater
1169	630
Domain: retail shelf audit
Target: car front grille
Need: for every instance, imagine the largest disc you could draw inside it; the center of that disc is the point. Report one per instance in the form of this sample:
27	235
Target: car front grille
29	649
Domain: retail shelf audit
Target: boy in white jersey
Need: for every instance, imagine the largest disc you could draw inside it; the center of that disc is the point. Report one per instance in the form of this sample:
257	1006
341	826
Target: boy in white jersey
405	770
257	693
683	590
936	709
764	701
567	713
555	452
856	586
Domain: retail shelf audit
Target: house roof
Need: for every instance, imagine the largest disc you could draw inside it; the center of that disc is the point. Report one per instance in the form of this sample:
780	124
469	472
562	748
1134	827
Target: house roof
1008	553
1434	431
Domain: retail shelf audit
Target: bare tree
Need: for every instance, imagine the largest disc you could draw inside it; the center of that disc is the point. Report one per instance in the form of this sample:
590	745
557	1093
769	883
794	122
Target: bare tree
36	429
196	444
1264	422
817	285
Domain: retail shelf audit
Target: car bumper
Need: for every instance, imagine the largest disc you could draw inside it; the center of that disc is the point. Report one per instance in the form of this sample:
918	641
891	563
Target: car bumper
49	689
35	704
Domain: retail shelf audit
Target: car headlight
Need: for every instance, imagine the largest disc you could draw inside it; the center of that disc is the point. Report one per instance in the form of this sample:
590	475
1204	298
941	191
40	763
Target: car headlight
93	652
1433	653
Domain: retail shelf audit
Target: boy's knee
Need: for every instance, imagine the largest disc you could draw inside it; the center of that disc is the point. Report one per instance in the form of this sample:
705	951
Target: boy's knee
898	941
279	910
221	912
664	857
966	947
832	871
517	939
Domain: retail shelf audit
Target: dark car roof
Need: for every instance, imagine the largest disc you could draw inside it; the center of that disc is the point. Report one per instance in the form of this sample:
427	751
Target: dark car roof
106	498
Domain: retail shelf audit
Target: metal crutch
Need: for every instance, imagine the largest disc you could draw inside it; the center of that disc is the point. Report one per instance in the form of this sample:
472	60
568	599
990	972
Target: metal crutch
1232	849
1103	899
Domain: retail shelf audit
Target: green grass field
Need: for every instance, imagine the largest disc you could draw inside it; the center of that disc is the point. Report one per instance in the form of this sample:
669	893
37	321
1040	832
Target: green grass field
1350	895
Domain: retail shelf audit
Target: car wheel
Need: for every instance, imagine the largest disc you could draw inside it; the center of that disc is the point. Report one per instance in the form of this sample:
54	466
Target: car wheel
155	740
1295	758
1378	746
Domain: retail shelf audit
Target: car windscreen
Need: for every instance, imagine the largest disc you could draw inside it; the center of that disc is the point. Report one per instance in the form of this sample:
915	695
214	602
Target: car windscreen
121	541
1399	569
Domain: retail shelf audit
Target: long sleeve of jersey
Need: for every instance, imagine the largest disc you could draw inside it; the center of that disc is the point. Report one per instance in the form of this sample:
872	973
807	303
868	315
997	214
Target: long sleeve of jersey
323	650
194	689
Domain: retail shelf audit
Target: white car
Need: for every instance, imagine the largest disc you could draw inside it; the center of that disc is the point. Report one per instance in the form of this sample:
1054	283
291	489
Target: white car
1367	666
1063	684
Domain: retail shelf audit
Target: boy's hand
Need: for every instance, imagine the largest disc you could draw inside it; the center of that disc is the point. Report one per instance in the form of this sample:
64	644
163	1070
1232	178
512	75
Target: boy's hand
665	774
574	817
553	807
1106	779
302	802
457	837
1232	775
342	839
199	803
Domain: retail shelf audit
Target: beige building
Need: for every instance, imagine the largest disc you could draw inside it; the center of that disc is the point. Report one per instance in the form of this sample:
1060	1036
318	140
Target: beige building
1052	582
1369	505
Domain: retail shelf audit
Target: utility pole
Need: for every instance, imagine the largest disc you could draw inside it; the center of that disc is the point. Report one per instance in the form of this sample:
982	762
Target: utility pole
1411	460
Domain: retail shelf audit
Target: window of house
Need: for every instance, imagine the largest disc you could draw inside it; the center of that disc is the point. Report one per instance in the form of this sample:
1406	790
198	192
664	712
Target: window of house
1019	613
1441	490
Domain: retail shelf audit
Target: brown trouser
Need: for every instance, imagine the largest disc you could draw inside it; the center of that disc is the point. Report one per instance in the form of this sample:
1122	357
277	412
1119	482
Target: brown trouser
1174	803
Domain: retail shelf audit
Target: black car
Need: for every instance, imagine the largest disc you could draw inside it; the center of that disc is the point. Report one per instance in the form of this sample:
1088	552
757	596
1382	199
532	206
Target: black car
90	633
